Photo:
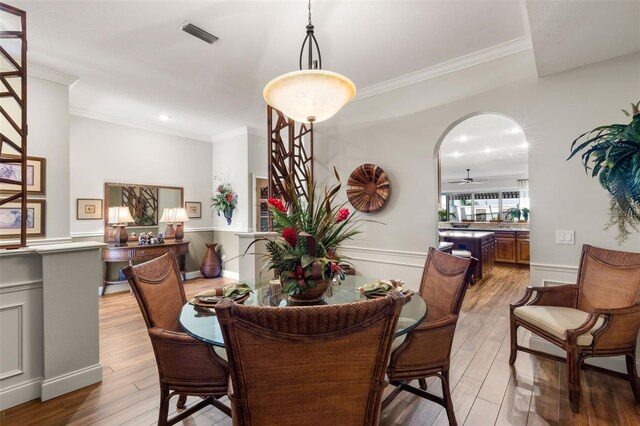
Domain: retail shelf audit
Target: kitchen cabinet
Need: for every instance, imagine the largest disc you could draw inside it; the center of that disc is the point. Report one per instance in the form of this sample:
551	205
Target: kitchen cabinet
480	244
522	248
506	247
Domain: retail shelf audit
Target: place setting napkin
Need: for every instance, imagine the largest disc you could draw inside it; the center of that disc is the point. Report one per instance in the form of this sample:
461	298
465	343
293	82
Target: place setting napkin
381	288
238	292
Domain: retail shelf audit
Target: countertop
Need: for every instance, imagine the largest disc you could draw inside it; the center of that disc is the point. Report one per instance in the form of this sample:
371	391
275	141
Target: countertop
483	230
465	234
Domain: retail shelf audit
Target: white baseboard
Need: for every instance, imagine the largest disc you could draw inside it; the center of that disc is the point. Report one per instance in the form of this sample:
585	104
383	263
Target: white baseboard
71	381
615	363
20	393
193	274
231	274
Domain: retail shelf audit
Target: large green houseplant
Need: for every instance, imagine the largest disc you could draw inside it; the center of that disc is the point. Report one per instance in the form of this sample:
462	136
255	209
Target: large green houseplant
612	153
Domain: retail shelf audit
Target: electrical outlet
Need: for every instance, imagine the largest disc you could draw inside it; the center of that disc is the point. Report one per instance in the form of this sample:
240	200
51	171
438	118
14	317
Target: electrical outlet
565	237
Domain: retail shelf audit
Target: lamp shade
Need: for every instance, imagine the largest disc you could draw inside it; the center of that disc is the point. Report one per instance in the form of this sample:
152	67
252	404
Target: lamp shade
181	215
120	215
168	215
310	96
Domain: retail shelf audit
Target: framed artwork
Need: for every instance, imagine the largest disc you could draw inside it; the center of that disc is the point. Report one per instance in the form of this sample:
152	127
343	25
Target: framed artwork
193	208
10	216
36	173
89	209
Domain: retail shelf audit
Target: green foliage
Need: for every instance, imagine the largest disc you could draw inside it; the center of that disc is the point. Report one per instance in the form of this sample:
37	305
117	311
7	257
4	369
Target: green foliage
442	216
612	154
525	213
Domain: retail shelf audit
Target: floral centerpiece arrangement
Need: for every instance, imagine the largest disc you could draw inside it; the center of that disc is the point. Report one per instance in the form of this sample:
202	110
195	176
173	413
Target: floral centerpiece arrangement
305	253
225	201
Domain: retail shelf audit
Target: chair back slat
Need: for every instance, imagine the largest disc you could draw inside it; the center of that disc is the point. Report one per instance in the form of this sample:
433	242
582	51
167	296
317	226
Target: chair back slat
444	282
157	284
314	365
608	279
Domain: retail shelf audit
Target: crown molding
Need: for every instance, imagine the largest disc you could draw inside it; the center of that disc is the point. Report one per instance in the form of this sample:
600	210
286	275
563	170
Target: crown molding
240	131
485	55
256	132
86	113
51	75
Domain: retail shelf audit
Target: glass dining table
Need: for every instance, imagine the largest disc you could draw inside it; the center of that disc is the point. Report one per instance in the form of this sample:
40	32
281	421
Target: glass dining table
202	323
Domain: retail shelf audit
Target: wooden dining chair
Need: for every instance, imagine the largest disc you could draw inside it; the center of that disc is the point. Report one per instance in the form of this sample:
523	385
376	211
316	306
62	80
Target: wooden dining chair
597	316
312	365
186	366
426	350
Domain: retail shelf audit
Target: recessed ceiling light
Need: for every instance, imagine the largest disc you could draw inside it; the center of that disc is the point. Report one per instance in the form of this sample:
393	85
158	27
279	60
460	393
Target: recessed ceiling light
164	117
463	138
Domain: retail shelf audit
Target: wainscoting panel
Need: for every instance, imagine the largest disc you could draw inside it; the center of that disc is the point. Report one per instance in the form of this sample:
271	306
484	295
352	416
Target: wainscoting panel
386	264
11	335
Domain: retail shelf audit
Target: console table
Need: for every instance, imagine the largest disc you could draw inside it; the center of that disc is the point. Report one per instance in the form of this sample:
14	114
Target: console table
135	252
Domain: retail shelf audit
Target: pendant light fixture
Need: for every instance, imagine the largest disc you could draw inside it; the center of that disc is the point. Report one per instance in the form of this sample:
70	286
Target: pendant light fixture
310	95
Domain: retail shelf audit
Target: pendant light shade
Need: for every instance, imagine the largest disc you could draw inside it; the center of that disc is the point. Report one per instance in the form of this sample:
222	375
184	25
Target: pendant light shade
309	95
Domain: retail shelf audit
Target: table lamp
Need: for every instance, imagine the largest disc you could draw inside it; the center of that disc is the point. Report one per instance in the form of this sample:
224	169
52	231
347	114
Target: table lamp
179	218
168	216
119	217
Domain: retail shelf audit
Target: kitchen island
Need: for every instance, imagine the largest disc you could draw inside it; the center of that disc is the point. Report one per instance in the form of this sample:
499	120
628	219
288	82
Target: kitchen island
481	245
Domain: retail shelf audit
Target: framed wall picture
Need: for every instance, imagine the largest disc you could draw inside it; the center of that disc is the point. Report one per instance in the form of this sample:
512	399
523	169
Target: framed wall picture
89	209
10	216
193	208
36	175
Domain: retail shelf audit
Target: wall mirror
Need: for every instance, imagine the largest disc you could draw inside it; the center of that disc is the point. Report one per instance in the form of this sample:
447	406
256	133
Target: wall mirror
146	204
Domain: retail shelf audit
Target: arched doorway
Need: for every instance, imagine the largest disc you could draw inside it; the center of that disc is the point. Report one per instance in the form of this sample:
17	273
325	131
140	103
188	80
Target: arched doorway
483	188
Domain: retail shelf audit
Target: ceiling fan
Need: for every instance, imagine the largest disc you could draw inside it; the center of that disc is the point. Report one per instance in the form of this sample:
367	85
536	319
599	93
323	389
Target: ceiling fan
469	180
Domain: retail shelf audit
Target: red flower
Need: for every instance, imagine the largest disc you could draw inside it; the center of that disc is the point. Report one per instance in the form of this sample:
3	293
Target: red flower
229	197
343	214
289	234
277	204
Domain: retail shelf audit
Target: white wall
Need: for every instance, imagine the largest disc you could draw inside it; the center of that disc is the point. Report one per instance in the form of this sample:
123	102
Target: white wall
552	111
106	152
48	137
230	162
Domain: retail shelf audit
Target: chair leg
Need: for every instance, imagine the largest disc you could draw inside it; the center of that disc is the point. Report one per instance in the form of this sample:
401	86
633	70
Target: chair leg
182	400
573	380
514	341
633	375
448	403
163	412
423	384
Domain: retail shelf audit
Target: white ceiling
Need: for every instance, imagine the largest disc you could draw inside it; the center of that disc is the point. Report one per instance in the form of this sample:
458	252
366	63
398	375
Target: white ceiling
133	62
571	34
492	146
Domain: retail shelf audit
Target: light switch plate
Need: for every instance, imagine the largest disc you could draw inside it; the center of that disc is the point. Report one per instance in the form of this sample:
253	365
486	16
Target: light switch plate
565	237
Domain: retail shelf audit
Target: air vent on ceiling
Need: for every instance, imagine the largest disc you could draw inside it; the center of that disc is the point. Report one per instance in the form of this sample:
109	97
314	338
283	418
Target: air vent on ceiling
198	32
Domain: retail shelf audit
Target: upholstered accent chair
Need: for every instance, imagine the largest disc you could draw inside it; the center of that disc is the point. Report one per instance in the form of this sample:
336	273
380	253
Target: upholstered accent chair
308	365
426	350
598	316
186	365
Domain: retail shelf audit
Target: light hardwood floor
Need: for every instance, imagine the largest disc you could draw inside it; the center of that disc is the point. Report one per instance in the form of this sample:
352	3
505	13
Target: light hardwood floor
485	389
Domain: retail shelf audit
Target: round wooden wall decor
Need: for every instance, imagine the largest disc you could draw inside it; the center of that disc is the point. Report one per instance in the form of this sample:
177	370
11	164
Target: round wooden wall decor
368	188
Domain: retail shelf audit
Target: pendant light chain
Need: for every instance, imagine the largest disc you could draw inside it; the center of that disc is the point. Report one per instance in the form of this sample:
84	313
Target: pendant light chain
311	63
